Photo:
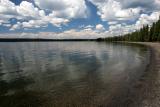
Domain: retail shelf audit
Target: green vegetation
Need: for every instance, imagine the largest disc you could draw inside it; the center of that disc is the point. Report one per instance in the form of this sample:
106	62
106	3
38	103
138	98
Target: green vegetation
145	34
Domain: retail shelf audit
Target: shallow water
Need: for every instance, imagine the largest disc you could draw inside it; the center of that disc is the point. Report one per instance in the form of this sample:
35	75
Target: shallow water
69	74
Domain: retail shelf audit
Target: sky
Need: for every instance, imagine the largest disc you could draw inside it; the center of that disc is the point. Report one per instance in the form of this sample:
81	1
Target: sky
75	18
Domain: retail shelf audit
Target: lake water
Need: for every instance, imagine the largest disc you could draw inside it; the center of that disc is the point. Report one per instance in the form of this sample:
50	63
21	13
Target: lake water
69	74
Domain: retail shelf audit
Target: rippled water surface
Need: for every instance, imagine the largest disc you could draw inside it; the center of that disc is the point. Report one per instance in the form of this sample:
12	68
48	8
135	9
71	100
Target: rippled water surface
68	74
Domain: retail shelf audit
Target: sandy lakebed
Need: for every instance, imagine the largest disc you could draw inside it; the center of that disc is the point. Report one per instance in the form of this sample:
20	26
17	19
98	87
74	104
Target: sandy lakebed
147	90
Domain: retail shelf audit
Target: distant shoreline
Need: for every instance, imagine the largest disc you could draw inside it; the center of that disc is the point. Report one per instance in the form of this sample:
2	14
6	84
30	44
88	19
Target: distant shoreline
40	40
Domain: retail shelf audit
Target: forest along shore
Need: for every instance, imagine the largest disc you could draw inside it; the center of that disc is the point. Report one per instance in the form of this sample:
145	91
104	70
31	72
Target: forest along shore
148	87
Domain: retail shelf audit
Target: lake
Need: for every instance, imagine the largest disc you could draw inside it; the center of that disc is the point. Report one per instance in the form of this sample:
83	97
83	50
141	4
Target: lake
69	74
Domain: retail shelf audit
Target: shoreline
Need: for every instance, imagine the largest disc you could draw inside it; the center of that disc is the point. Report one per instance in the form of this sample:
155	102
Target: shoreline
147	89
144	92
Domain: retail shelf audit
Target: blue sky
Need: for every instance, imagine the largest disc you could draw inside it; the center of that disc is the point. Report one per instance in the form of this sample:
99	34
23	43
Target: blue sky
108	17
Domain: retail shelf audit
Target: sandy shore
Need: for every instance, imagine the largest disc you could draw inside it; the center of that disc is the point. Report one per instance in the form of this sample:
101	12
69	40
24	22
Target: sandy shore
147	90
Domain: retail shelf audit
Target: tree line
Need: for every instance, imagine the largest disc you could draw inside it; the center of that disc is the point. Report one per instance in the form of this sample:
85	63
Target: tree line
145	34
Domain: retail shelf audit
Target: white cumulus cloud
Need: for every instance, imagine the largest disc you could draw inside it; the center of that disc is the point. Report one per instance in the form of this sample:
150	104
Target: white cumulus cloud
64	8
111	10
100	27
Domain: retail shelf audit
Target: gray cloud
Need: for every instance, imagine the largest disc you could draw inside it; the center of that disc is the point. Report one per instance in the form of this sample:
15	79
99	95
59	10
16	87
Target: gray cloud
148	4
